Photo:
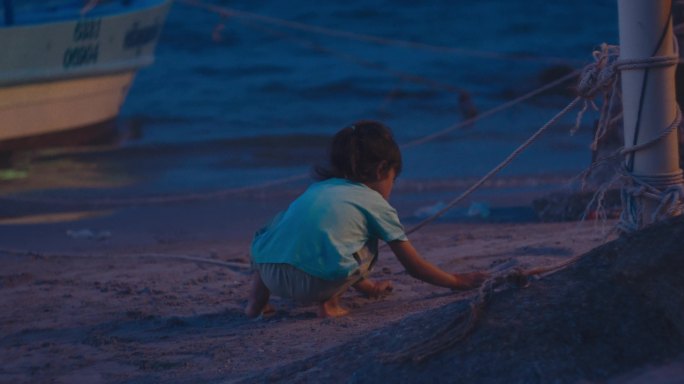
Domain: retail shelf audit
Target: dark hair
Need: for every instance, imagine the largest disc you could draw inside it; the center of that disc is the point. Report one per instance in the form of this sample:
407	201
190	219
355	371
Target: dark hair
357	150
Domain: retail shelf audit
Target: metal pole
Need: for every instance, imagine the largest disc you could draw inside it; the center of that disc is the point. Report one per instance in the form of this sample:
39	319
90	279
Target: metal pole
648	95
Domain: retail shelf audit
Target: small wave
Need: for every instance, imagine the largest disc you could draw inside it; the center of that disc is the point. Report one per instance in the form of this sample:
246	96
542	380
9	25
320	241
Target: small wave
347	86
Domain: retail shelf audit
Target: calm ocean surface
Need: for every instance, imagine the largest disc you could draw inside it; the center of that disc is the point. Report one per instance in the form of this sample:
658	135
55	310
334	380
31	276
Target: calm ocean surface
233	101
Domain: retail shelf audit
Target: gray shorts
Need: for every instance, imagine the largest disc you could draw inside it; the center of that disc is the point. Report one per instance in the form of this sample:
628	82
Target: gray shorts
285	280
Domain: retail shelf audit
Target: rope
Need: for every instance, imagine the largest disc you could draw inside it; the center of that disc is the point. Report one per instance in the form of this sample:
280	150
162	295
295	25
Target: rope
665	189
499	167
231	12
652	62
664	133
491	112
403	76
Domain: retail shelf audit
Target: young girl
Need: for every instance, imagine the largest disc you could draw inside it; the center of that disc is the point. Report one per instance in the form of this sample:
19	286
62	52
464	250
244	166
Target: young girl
327	239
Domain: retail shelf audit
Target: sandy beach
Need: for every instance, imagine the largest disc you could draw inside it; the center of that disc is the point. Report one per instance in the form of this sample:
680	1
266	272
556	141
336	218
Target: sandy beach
138	296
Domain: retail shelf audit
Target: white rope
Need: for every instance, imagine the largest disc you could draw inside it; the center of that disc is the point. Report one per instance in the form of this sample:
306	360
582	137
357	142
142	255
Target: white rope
347	57
499	167
490	112
667	190
662	135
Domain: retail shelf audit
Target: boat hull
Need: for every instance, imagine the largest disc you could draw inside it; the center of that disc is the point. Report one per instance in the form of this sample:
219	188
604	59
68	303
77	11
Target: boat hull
73	73
36	109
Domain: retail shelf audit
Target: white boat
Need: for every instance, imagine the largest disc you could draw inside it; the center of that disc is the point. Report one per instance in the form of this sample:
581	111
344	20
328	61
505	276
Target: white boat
67	67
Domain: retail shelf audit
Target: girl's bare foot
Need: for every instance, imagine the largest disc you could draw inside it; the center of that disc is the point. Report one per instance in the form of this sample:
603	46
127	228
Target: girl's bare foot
268	310
257	303
332	308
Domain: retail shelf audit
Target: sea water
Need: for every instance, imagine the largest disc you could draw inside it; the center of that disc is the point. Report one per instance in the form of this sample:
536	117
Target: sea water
234	101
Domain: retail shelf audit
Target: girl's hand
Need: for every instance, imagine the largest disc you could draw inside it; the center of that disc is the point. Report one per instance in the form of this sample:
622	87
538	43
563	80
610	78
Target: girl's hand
373	289
382	288
470	280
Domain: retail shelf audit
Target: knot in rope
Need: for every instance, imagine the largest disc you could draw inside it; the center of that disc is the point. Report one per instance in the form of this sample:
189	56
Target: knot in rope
665	189
601	74
671	202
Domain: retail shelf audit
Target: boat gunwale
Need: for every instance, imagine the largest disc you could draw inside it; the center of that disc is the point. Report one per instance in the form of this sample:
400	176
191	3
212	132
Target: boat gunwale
78	16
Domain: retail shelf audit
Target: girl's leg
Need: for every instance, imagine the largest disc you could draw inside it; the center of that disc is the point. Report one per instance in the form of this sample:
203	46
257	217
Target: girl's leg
258	297
332	307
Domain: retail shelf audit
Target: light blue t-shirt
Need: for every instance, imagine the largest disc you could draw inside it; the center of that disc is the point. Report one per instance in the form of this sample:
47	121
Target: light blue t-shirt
323	228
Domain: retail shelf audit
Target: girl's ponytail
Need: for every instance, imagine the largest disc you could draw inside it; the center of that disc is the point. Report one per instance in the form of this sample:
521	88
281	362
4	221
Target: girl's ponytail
356	152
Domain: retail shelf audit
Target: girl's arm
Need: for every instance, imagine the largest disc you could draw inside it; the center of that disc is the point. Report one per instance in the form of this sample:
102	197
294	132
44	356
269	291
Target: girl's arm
423	270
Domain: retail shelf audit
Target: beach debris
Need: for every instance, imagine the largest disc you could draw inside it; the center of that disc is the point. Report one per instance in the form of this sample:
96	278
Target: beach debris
479	209
87	234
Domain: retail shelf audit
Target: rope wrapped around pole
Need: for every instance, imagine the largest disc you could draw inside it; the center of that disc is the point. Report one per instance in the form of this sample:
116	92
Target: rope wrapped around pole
603	76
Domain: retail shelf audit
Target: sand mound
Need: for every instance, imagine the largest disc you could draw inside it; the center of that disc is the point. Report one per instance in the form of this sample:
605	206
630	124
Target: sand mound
617	310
